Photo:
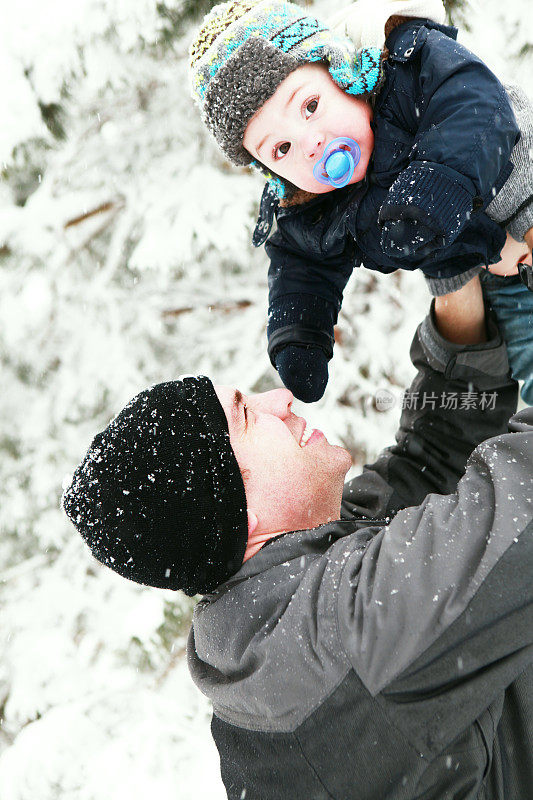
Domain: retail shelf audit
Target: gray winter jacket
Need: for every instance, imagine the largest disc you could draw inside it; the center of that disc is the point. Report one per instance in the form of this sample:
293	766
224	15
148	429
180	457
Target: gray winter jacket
388	655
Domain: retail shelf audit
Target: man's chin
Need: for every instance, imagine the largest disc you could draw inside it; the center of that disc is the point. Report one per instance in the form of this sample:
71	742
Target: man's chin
344	458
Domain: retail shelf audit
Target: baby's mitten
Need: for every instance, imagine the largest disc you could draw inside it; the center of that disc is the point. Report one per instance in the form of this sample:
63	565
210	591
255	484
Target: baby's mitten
433	202
300	343
402	238
303	370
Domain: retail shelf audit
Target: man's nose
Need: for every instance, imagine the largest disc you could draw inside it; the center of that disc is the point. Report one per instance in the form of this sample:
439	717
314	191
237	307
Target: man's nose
277	402
312	144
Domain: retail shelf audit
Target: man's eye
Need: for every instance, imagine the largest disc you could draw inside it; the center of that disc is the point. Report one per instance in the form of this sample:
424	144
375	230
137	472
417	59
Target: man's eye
311	107
281	150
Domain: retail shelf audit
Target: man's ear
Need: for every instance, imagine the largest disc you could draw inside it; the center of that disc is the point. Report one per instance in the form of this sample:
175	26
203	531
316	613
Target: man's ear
253	522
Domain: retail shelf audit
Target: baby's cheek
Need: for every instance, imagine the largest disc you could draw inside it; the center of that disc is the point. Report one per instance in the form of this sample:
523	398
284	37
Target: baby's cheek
368	142
321	188
366	154
308	183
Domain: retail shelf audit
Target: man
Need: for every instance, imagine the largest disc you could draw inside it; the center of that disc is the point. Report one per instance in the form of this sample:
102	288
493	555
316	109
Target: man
373	641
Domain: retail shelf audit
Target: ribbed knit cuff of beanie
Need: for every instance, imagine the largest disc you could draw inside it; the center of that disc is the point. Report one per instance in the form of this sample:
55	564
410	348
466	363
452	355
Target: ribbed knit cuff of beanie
159	497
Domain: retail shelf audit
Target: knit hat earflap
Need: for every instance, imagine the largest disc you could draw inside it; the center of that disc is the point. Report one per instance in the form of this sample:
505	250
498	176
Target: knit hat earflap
246	48
159	496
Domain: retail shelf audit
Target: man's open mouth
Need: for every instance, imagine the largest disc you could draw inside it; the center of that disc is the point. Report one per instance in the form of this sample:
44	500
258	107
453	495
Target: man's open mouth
306	434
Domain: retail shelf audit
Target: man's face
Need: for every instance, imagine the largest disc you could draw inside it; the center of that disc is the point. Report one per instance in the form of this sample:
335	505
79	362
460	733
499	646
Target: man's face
293	477
291	130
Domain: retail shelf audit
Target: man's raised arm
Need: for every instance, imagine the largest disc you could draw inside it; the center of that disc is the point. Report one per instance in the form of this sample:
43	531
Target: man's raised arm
462	395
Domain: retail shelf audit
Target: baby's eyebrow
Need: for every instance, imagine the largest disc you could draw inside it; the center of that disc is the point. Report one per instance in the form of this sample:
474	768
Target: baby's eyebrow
291	98
261	143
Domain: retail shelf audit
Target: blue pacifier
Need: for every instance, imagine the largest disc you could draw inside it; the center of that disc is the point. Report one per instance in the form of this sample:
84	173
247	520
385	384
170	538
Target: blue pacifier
338	162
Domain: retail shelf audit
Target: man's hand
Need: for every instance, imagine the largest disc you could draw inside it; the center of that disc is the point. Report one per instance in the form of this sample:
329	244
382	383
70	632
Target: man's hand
460	316
512	253
525	263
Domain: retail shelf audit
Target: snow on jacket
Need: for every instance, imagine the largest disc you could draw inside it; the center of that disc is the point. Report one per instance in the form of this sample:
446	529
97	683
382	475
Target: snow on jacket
388	655
444	133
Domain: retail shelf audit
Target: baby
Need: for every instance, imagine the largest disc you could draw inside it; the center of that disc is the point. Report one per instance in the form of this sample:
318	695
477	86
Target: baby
396	154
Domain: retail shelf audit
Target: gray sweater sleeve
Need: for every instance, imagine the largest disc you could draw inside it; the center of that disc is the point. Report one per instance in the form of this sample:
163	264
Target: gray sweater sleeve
513	205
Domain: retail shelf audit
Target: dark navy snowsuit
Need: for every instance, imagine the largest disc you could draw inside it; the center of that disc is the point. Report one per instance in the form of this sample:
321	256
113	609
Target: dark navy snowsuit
444	130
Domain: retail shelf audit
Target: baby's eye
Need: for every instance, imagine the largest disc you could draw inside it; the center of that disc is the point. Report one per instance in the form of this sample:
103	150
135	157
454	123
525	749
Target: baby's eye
311	107
281	150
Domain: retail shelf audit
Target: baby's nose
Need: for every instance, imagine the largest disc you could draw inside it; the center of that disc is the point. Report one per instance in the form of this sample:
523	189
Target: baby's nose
313	145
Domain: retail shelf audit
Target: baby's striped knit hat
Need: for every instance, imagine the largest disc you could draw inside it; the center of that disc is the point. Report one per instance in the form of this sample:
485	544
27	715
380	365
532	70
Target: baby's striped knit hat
246	48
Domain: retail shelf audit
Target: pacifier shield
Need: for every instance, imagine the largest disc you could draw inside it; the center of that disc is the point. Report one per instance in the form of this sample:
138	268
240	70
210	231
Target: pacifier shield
338	162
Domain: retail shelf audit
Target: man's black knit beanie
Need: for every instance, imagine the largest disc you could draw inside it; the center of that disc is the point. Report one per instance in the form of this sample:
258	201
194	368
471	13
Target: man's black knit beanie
159	496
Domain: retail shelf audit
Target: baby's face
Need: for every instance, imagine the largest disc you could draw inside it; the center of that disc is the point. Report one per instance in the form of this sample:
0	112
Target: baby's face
308	110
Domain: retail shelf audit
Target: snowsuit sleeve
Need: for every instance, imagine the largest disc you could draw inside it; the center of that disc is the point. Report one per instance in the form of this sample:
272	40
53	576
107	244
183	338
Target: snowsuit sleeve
465	136
439	426
311	261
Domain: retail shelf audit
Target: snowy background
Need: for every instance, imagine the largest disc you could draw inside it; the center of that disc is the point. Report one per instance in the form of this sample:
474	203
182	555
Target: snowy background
125	259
